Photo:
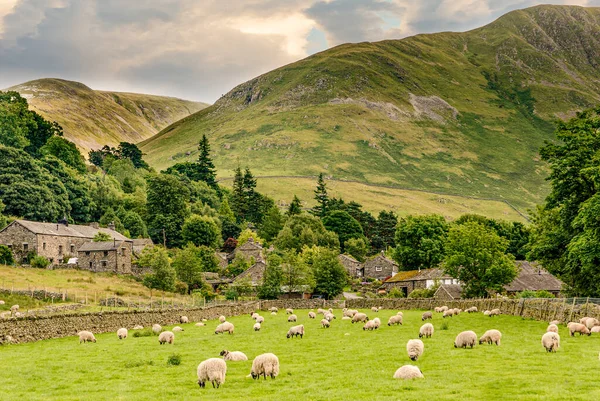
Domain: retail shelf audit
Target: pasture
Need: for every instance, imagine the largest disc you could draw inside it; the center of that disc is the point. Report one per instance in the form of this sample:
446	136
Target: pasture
340	363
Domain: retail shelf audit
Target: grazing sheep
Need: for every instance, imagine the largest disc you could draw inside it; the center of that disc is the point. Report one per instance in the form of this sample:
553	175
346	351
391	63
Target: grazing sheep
329	316
374	309
556	322
292	318
370	325
256	326
296	331
166	337
491	337
260	319
583	319
400	314
578	328
289	311
325	323
465	339
212	370
320	311
495	312
273	309
377	322
184	319
2	302
138	327
265	365
312	315
595	329
156	328
346	318
551	341
448	313
359	317
122	333
86	336
552	328
233	356
408	372
426	330
350	313
395	319
437	309
415	349
224	327
14	309
253	315
222	319
457	311
591	322
200	324
486	313
176	329
472	309
426	315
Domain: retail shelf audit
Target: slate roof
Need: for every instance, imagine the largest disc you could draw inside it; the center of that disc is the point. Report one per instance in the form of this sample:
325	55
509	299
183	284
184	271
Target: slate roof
419	275
100	246
533	277
72	230
453	290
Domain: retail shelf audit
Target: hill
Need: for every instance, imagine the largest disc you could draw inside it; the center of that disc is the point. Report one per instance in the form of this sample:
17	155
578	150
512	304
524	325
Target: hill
454	113
93	118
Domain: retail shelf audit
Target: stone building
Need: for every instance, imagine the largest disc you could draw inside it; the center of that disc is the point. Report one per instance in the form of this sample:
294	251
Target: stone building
54	241
250	249
412	280
111	256
448	292
379	267
255	273
352	266
533	277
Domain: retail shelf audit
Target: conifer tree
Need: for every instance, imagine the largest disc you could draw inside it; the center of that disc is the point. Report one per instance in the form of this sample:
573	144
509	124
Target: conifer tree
295	207
322	198
206	167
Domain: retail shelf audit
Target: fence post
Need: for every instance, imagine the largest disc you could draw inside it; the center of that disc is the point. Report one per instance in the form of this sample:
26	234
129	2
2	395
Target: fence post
587	306
572	307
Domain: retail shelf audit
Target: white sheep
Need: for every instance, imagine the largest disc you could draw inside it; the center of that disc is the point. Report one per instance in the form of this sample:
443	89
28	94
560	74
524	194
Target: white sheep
233	356
273	309
426	330
176	329
312	315
350	313
495	312
86	336
256	326
426	315
407	372
472	309
415	349
265	365
491	337
320	311
253	315
578	328
448	313
360	317
375	309
551	341
138	327
122	333
583	319
370	325
222	319
200	324
376	323
166	337
289	311
595	329
292	318
486	313
296	331
156	328
224	327
259	319
183	319
212	370
591	322
394	319
552	328
14	309
325	323
465	339
329	316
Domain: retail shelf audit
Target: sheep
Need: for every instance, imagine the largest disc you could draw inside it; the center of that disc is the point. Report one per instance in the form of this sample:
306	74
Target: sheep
266	365
166	337
233	356
472	309
457	311
426	330
408	372
578	328
296	331
437	309
552	328
360	317
394	319
346	318
426	315
329	316
320	311
325	323
491	337
156	328
224	327
551	341
349	313
495	312
583	319
138	327
374	309
222	319
253	315
259	319
183	319
595	329
443	308
256	326
370	325
486	313
556	322
330	310
2	302
465	339
591	322
200	324
377	323
415	349
273	309
176	329
289	311
212	370
448	313
86	336
14	309
400	314
122	333
273	313
312	315
292	318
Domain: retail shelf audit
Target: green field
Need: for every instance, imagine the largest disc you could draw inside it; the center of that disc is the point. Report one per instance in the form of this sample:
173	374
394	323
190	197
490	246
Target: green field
340	363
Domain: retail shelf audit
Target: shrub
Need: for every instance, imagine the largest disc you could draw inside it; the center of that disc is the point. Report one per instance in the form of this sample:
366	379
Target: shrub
445	325
396	293
143	333
39	262
370	294
231	294
544	294
526	294
6	256
174	360
120	292
181	287
422	293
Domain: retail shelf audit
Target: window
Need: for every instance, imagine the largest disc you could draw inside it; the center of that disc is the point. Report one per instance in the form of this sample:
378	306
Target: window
9	246
87	253
91	264
25	246
429	283
44	246
105	253
72	248
123	251
378	268
104	263
60	249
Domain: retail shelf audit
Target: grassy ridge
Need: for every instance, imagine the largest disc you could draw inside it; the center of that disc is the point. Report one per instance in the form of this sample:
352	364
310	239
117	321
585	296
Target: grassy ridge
457	113
340	363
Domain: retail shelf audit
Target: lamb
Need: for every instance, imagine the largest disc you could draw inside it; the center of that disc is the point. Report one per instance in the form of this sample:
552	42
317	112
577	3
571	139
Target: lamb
259	319
224	327
138	327
395	319
212	370
166	337
266	365
312	315
325	323
156	328
552	328
296	331
491	337
86	336
200	324
253	315
426	315
359	317
375	309
292	318
183	319
222	319
289	311
426	330
176	329
122	333
448	313
329	316
256	326
578	328
408	372
415	349
465	339
551	341
233	356
370	325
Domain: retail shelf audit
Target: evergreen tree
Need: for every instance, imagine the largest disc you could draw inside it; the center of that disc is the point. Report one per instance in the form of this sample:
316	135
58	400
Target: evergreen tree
320	210
295	207
130	151
272	224
206	167
238	197
271	285
225	211
385	231
201	230
166	208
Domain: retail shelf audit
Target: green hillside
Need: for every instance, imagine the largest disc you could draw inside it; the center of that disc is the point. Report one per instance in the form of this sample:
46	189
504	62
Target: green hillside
456	113
93	119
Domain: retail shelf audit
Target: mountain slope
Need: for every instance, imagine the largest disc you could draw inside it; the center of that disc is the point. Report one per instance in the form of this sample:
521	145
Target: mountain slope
93	119
457	113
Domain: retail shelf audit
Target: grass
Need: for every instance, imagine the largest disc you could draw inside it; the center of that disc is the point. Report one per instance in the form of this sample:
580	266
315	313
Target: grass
23	301
340	363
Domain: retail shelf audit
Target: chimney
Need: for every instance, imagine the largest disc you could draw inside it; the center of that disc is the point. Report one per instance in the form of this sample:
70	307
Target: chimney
251	240
111	226
95	225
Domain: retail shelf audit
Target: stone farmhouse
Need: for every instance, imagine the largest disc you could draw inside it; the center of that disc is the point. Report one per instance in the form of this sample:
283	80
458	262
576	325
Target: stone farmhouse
254	273
379	267
111	256
248	250
412	280
352	266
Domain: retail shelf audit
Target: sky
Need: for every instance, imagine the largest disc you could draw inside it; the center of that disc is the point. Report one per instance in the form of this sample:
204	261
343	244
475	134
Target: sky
201	49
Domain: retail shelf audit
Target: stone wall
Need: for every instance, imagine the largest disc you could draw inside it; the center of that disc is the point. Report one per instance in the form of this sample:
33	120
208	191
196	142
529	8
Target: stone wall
15	236
301	304
37	294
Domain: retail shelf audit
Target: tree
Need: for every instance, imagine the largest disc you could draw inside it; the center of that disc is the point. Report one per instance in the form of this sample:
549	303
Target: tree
321	197
239	203
357	247
296	275
130	151
344	225
6	256
385	231
329	274
295	207
163	275
102	237
166	208
272	224
110	217
270	287
239	265
134	223
246	235
206	168
3	220
420	241
304	229
225	211
476	256
201	230
188	265
66	151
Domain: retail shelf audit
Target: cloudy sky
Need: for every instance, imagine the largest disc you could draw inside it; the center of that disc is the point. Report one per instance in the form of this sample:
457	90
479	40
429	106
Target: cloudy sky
200	49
